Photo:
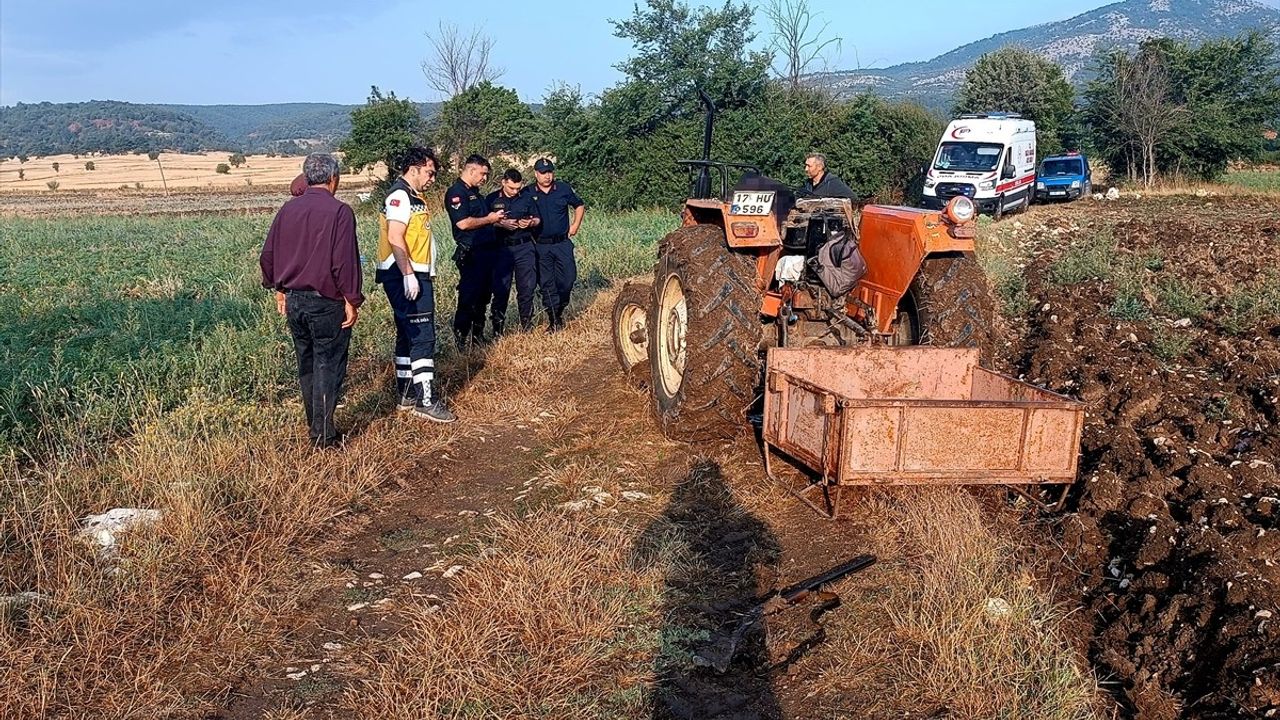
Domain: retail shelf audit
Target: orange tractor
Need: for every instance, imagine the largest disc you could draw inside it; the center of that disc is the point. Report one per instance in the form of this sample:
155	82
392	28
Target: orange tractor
805	314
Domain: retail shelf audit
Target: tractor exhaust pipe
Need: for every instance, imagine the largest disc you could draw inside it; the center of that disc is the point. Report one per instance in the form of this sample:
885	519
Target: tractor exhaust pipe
703	187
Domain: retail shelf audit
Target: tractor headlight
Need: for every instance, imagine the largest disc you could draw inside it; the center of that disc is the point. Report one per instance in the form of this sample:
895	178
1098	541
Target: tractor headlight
1039	185
1075	184
987	185
930	182
960	210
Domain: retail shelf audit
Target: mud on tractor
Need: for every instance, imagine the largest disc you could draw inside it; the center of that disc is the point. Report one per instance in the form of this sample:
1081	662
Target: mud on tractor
816	317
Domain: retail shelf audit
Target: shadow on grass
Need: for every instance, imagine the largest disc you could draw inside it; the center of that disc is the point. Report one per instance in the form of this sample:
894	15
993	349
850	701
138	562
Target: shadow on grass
723	544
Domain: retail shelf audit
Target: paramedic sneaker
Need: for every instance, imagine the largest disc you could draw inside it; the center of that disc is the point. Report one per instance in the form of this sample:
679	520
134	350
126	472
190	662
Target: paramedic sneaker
436	412
408	399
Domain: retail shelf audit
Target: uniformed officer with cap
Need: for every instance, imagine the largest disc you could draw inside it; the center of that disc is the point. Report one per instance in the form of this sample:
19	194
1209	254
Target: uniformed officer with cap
556	268
516	254
476	253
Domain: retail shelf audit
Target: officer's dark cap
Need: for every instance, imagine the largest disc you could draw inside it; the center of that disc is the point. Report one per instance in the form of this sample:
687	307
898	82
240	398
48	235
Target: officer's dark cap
544	166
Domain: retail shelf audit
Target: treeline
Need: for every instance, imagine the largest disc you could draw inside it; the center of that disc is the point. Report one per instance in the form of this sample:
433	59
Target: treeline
101	126
620	148
106	126
1166	109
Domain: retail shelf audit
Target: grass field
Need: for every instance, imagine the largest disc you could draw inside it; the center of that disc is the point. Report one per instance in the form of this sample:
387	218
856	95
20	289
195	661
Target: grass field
145	367
113	321
1260	180
136	172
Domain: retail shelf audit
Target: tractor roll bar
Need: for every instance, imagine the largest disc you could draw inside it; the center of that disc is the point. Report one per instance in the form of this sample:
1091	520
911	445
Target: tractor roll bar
702	186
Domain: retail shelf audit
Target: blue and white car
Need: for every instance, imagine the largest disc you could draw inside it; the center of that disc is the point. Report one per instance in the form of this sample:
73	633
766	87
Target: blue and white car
1064	177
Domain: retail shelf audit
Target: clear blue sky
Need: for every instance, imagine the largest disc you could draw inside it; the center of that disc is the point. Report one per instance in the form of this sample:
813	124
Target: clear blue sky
266	51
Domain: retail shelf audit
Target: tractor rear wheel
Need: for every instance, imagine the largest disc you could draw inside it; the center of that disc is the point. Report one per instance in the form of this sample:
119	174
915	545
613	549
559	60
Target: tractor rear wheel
704	335
631	331
948	305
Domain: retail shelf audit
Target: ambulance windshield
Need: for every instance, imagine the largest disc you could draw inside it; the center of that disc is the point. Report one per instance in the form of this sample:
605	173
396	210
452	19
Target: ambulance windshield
968	156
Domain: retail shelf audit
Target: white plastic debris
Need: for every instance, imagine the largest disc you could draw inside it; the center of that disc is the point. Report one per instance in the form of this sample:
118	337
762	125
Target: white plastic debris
104	529
1182	323
998	607
412	576
332	646
357	606
451	572
1113	194
634	496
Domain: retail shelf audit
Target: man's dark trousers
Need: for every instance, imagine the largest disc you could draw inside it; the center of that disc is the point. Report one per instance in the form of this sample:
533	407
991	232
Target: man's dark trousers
415	337
557	272
520	260
321	344
475	288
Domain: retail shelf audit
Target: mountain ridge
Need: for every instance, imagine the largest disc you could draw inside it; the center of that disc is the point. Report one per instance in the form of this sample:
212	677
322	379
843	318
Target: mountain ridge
1071	43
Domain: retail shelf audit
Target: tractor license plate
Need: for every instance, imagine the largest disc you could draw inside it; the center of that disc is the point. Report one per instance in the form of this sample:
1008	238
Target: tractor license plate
751	203
1058	193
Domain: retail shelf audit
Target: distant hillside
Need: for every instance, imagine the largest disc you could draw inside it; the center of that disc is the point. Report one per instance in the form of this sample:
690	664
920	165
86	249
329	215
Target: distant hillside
108	126
1071	43
99	126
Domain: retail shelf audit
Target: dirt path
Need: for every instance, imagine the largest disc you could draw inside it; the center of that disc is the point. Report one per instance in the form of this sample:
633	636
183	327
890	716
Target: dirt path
403	553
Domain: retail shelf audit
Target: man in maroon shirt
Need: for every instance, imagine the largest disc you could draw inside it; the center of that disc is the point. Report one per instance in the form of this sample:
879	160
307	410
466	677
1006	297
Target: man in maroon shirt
312	261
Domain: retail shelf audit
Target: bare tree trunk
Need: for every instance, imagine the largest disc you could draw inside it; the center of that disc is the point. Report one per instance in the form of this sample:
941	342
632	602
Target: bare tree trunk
795	41
459	61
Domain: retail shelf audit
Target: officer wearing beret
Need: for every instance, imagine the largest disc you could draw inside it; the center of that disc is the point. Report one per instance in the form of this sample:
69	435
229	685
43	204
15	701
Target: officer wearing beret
516	255
477	249
556	268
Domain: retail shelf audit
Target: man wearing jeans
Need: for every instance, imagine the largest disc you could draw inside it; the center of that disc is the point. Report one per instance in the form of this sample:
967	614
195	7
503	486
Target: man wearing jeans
312	262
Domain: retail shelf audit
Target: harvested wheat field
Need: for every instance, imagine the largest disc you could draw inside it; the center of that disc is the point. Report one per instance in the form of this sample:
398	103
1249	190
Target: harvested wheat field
552	555
171	171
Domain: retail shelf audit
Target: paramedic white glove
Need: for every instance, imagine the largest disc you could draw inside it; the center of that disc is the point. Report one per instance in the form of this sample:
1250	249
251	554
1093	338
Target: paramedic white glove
411	287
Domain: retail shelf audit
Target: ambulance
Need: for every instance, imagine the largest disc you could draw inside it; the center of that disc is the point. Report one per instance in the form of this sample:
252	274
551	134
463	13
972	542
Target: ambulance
989	158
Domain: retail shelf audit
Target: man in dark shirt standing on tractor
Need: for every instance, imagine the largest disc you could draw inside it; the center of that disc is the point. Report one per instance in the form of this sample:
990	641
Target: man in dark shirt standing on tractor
311	260
556	267
477	248
822	183
516	254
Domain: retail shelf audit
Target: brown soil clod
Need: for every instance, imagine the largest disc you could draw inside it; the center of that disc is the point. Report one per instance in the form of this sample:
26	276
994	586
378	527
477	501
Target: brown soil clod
1171	544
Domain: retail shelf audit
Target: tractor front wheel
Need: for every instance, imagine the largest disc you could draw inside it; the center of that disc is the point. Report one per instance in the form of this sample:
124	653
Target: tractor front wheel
631	331
948	305
704	335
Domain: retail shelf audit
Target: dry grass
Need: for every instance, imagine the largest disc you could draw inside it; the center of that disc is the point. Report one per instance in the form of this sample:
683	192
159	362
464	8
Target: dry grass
958	630
161	628
556	624
180	170
554	619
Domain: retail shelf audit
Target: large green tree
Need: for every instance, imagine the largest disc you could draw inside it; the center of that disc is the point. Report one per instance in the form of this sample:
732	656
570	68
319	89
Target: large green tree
381	130
1175	109
487	119
1017	80
620	150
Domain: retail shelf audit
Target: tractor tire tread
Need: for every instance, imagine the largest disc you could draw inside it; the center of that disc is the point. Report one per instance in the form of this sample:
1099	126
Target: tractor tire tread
723	363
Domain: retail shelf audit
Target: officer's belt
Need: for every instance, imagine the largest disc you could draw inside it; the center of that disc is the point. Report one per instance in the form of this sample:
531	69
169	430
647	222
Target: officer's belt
518	240
552	239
